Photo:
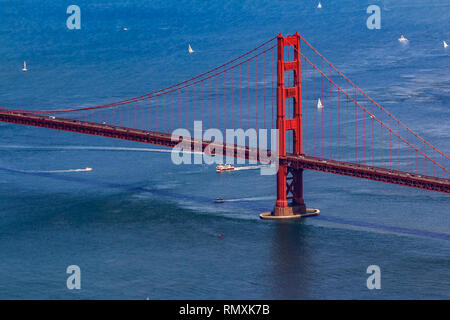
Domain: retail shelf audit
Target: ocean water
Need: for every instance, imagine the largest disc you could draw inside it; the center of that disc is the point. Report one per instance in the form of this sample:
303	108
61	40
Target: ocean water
141	227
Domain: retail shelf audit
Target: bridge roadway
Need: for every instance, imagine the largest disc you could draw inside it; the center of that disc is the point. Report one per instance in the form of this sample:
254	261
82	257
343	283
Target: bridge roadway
162	139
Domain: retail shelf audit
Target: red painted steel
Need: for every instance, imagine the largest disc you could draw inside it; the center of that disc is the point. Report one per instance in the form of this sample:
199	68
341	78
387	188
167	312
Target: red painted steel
294	161
289	179
235	99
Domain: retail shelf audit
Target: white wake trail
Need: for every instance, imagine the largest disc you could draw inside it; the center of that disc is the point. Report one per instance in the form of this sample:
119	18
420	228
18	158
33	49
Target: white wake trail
57	171
249	199
251	167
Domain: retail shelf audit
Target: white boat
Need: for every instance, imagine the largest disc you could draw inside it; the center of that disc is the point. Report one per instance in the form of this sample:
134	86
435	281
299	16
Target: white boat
190	50
224	168
24	69
402	39
445	44
319	104
319	6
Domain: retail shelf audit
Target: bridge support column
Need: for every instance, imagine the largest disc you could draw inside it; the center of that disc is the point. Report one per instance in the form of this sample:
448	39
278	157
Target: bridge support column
289	187
289	178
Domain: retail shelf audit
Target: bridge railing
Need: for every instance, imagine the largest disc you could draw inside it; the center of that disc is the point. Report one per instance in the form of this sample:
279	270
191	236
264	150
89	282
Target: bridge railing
340	121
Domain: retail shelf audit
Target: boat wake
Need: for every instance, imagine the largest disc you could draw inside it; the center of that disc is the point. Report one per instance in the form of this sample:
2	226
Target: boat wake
57	171
251	167
248	199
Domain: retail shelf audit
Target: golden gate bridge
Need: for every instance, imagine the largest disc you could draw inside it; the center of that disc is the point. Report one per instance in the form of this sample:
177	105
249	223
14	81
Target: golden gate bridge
325	122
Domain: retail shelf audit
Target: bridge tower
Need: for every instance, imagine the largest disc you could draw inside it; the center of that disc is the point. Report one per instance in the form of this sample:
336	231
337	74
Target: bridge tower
289	203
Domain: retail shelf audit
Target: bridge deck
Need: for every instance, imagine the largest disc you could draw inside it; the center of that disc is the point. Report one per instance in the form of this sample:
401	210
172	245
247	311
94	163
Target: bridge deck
163	139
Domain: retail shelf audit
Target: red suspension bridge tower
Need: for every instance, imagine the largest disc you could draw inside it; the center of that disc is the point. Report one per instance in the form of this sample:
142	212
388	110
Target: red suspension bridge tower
289	203
362	139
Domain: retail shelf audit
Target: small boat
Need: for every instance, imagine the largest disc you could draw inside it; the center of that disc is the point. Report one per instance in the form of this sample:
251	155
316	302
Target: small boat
190	50
402	39
445	44
319	6
224	167
219	200
24	69
319	104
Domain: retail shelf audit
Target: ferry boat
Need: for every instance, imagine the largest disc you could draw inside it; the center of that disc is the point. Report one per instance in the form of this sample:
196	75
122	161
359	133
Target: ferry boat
224	167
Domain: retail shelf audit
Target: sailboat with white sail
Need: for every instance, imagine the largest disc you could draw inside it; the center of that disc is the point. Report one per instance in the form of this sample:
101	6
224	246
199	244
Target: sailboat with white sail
319	104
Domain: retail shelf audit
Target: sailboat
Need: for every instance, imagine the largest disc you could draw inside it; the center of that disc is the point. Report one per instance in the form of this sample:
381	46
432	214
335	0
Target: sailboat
319	6
24	69
445	44
190	50
319	105
402	39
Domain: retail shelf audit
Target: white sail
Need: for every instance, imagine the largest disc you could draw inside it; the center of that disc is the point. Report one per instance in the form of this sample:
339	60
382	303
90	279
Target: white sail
190	49
402	39
319	6
24	66
445	44
319	104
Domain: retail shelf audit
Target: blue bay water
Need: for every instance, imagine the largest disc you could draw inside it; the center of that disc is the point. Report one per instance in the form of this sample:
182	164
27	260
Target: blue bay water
139	226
